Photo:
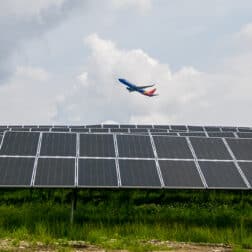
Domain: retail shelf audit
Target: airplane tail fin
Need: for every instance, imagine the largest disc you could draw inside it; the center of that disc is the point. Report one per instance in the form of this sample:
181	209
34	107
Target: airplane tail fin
151	92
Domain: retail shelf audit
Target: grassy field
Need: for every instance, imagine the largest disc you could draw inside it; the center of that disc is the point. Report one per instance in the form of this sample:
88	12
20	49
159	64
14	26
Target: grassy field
125	219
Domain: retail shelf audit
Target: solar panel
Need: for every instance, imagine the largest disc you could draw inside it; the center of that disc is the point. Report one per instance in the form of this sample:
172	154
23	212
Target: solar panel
94	126
179	127
80	130
158	130
245	129
166	127
242	148
172	147
20	143
210	148
230	129
144	126
138	130
165	134
119	130
97	130
244	134
246	167
40	129
97	145
127	126
55	172
212	128
58	144
202	134
60	129
77	127
97	173
110	126
134	146
221	175
221	134
139	173
16	172
180	174
195	128
19	129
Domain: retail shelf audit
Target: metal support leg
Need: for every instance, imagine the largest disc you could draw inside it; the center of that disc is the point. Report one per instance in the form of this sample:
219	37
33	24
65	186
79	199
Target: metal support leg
73	205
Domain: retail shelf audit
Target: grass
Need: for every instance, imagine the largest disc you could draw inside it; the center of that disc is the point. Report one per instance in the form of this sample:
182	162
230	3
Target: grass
122	219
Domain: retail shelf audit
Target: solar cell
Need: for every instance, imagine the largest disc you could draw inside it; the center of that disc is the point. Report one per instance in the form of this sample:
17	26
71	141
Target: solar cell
40	129
97	130
97	145
221	175
55	172
245	129
230	129
244	134
80	130
212	128
19	129
97	173
20	143
139	173
172	147
58	144
161	126
221	134
165	134
178	127
119	130
210	148
94	126
16	171
180	174
144	126
110	126
127	126
138	130
60	129
45	126
134	146
242	148
246	167
195	128
192	134
158	130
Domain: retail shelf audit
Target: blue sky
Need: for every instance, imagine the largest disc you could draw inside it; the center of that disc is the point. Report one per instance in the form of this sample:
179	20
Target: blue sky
60	60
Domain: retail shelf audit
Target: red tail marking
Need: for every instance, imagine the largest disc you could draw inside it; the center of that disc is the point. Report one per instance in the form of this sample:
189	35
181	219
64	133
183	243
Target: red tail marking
152	91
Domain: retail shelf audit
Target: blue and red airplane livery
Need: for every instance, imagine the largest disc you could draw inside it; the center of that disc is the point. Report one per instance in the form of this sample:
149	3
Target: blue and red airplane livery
141	89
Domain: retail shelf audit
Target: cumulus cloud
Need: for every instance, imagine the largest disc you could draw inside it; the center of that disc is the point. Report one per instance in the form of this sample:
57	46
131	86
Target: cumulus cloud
186	96
28	97
26	8
142	5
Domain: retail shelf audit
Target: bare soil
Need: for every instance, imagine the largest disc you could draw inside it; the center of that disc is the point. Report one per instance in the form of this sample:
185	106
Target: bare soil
80	246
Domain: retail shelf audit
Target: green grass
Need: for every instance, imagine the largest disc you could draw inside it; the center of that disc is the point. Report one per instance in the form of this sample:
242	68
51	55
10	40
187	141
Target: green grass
125	219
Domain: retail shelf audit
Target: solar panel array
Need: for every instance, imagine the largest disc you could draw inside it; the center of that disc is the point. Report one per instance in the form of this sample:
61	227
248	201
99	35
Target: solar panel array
117	159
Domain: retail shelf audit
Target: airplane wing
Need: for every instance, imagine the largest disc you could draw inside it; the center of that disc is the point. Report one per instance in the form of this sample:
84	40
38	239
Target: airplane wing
142	87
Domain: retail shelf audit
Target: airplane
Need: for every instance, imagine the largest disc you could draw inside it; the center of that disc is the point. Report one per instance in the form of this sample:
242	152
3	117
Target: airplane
141	89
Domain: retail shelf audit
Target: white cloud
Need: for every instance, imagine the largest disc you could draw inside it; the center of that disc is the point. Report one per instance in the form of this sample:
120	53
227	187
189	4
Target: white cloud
245	33
142	5
186	96
26	8
28	97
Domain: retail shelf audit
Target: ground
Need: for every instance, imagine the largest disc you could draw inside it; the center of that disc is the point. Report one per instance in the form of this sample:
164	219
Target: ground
80	246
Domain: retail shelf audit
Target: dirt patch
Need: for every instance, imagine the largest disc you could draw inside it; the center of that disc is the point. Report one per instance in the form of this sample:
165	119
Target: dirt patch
81	246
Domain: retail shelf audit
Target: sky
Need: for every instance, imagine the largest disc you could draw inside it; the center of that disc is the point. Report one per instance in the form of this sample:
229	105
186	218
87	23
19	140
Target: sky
60	61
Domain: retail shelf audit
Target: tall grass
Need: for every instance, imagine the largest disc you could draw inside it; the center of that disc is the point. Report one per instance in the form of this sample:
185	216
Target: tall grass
122	219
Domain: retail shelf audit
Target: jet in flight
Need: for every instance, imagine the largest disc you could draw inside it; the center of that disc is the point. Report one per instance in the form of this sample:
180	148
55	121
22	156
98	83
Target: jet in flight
141	89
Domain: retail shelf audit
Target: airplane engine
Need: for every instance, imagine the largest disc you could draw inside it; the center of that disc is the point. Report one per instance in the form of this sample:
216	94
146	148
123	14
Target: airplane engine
130	89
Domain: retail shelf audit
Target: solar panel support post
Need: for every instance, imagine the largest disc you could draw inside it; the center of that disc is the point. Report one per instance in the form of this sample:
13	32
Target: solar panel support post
73	204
